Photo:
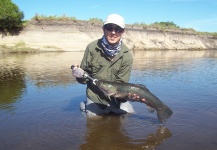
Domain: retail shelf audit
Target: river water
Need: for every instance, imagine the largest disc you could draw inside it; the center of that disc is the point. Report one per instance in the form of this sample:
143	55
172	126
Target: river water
39	104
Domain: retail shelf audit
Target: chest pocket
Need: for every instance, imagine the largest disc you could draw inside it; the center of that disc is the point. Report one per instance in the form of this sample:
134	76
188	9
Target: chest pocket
114	71
97	68
105	70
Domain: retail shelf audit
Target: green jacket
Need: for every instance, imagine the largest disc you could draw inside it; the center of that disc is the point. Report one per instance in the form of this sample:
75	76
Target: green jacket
97	64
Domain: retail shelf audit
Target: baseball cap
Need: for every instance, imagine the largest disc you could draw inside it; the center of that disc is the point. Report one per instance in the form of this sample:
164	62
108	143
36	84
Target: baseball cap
115	19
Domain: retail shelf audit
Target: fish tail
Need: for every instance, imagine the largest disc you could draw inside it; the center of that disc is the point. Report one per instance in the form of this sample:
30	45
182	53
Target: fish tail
164	113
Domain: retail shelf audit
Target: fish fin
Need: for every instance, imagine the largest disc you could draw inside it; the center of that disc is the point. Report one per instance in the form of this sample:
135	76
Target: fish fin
151	109
109	95
164	113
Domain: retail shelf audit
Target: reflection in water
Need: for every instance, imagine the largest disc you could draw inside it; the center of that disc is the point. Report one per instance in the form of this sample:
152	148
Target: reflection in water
175	54
109	133
51	69
12	85
40	87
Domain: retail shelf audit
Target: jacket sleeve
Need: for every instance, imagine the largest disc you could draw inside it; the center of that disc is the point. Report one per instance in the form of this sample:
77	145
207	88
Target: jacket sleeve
84	65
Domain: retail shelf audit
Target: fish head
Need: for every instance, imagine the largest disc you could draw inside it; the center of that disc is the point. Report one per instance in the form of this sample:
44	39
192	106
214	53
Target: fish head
107	87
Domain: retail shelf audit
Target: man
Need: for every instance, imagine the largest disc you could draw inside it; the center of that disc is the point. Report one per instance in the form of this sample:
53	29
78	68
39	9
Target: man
109	59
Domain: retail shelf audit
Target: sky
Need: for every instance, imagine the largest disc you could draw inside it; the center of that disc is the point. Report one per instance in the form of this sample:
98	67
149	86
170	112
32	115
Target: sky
200	15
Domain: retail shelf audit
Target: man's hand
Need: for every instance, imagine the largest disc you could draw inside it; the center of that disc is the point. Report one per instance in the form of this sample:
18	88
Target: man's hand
77	71
135	97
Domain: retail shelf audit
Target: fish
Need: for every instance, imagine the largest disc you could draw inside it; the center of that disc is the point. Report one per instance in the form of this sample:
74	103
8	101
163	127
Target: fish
121	90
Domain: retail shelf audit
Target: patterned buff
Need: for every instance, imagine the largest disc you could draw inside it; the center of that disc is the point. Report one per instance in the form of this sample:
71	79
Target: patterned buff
111	50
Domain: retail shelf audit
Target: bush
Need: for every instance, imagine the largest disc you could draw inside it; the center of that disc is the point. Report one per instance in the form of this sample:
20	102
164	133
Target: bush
165	25
95	20
10	16
38	17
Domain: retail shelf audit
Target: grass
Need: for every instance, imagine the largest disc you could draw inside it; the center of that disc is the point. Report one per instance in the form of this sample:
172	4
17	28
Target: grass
20	44
52	18
161	26
19	47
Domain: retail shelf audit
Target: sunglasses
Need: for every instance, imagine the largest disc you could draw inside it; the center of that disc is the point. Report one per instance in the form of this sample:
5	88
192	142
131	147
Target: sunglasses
112	27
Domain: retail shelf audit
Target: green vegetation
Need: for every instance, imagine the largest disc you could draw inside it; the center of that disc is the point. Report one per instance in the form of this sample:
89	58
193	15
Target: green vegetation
11	21
164	25
143	25
10	17
38	17
209	33
19	47
12	86
95	20
20	44
214	34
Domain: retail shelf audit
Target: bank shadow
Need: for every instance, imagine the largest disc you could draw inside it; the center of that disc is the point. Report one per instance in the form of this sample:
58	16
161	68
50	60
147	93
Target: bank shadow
109	132
12	87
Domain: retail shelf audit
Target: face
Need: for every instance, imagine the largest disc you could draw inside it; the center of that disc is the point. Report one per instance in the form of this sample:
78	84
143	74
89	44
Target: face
113	33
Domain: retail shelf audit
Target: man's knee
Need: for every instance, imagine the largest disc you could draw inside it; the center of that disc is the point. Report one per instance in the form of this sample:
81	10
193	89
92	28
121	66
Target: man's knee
126	106
91	108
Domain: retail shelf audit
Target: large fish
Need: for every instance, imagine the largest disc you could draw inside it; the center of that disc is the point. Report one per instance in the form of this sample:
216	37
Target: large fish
122	90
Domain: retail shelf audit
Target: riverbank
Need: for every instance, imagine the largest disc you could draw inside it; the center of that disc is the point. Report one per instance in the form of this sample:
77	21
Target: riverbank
75	35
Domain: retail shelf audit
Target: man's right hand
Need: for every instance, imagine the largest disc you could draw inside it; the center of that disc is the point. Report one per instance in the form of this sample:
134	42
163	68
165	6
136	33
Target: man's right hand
77	71
135	97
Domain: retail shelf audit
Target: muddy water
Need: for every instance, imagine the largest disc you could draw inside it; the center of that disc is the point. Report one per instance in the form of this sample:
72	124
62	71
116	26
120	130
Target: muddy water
39	102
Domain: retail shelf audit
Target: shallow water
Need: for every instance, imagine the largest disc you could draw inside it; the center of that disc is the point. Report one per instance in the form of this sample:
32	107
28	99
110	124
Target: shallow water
39	104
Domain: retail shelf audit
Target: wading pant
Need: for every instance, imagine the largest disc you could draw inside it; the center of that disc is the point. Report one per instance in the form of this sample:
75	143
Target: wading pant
92	109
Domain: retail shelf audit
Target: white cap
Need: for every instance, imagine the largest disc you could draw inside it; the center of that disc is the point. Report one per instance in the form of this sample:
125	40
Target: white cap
115	19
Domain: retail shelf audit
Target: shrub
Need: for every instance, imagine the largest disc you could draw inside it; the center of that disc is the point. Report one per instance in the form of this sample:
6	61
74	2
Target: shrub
164	25
95	20
10	16
38	17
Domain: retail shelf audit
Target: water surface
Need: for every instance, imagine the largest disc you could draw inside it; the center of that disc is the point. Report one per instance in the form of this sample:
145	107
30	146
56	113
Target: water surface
39	104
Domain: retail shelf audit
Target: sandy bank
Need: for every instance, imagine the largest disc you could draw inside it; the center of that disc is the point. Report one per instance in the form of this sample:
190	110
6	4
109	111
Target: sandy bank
75	35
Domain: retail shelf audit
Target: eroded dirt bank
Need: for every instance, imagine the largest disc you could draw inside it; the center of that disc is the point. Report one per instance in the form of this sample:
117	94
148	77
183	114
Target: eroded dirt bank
75	35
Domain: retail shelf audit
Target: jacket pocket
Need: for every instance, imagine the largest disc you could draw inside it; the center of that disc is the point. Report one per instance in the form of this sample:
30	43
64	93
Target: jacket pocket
114	74
97	69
